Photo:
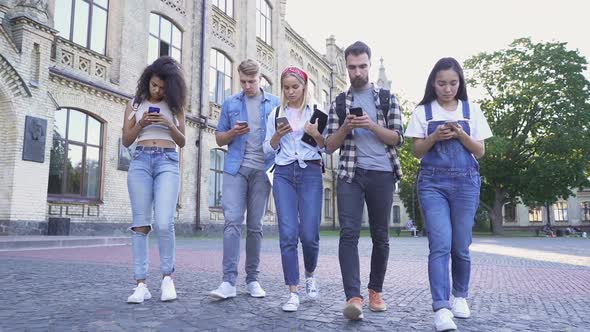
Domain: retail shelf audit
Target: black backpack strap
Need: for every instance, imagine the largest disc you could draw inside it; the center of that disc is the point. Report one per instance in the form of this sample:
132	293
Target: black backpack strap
341	108
384	101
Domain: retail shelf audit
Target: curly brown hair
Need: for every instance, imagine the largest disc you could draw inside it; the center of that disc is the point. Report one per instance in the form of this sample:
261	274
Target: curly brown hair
168	70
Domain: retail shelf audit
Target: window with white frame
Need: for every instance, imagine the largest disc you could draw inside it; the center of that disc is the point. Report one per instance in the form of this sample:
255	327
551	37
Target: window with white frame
560	212
263	21
83	21
396	214
220	77
165	39
226	6
328	203
535	215
585	211
509	212
75	165
216	177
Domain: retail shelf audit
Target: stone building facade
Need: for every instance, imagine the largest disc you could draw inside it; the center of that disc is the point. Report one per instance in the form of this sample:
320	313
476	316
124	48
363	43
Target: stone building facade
68	69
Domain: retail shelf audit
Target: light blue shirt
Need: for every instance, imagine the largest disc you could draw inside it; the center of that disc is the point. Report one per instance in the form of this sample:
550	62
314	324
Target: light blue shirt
234	109
291	148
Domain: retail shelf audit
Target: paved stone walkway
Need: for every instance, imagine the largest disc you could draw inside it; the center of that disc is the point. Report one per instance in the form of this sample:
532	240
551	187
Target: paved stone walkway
518	284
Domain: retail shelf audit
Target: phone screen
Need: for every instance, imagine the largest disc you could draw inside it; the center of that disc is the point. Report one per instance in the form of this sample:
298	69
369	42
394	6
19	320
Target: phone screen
242	123
358	111
282	120
153	109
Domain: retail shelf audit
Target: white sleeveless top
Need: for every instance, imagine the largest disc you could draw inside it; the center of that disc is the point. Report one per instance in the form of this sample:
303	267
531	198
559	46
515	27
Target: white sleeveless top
154	131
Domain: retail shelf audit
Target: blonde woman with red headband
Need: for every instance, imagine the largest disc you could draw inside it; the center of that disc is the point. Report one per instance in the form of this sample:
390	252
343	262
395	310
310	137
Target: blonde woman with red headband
297	183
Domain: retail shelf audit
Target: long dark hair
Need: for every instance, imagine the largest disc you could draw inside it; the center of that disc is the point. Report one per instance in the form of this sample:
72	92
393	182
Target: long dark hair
444	64
168	70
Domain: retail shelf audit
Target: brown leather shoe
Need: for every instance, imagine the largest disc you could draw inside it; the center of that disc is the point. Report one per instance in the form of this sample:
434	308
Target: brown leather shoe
354	309
376	303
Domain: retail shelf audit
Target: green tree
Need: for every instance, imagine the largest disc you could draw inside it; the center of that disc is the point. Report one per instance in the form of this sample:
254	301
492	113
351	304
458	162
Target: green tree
410	166
537	102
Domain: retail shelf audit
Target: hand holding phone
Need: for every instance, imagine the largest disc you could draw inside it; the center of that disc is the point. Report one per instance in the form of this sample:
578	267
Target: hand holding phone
451	124
283	127
282	121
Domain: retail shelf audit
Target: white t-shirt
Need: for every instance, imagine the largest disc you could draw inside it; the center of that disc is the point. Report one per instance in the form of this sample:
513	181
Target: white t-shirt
418	126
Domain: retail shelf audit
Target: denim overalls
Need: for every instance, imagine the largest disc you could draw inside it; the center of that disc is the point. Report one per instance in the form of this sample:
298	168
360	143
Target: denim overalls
448	189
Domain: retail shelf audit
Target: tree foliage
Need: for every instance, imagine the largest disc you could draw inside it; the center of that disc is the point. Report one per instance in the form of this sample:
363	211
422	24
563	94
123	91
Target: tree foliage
537	102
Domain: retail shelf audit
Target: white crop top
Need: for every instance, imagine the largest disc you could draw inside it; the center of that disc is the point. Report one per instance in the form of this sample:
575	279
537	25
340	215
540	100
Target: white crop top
154	131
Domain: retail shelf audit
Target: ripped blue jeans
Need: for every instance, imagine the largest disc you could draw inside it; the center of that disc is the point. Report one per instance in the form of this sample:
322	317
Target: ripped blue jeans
153	183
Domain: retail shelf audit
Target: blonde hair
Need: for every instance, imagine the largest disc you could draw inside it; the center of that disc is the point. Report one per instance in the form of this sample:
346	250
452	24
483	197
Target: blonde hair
249	67
306	96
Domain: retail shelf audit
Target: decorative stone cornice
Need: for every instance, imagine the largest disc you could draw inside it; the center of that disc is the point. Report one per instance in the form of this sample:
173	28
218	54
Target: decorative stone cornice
10	77
87	87
82	49
178	5
265	54
23	20
223	27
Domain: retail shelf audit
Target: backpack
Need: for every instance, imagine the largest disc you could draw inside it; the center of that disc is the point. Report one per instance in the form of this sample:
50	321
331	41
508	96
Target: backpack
384	100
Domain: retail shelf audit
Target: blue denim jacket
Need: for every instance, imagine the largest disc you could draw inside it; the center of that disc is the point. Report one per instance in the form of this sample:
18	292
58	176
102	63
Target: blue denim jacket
234	109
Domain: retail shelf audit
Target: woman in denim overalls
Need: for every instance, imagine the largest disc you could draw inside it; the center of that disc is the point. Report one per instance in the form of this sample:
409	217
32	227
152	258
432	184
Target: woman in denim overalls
448	135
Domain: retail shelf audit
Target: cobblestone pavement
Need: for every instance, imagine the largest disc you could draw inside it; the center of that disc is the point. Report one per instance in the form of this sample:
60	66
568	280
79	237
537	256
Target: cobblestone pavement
518	284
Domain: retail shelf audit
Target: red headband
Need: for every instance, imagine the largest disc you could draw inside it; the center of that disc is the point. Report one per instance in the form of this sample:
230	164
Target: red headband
295	71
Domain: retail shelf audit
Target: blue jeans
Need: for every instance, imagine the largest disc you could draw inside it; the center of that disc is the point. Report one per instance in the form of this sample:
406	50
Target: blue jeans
153	184
248	189
298	198
449	199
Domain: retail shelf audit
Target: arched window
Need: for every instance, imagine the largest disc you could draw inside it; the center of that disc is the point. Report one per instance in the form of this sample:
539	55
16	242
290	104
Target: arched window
226	6
265	84
83	21
75	165
263	21
220	77
165	38
328	203
216	177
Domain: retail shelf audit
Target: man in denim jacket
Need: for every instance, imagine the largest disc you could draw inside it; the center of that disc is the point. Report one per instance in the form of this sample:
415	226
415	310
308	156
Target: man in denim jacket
246	186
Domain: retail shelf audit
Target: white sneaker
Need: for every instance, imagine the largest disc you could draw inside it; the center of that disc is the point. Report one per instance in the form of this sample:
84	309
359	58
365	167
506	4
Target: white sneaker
168	290
224	291
460	308
255	290
311	288
292	304
443	320
140	293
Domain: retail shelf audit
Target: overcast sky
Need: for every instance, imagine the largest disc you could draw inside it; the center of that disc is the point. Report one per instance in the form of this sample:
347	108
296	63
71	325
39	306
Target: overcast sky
412	35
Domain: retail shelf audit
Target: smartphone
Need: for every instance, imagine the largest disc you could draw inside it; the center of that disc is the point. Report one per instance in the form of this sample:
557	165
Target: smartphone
451	124
282	120
242	123
358	111
153	109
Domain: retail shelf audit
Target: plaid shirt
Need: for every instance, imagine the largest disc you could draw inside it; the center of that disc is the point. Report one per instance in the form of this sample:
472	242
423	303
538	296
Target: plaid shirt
347	164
